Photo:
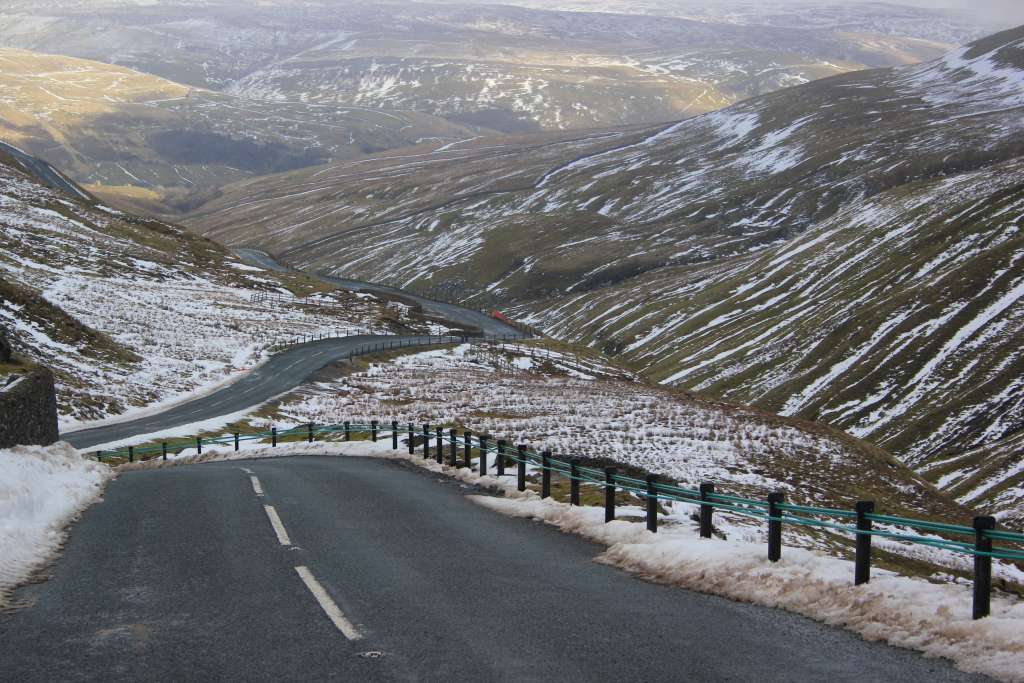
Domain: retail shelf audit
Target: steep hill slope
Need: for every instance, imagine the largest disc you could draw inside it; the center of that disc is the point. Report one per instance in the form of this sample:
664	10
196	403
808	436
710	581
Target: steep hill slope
161	144
847	250
510	68
129	312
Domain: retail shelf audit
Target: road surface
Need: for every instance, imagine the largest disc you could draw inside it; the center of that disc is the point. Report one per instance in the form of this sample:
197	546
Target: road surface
45	173
180	574
455	313
282	373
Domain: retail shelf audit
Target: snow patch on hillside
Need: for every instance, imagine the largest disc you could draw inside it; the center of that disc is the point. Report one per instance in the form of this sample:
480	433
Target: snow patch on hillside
983	82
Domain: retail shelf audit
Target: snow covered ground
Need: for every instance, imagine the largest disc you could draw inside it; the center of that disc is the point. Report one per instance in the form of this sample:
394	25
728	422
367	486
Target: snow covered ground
41	491
586	411
906	612
133	313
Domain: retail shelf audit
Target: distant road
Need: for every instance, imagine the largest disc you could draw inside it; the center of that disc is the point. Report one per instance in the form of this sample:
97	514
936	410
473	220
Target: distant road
45	173
182	574
452	312
282	373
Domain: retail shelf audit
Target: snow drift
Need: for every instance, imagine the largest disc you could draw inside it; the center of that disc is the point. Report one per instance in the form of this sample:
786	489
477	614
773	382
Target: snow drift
42	489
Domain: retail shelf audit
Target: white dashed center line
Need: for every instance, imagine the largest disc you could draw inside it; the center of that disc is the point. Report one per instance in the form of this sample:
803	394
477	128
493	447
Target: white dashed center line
327	604
330	608
275	522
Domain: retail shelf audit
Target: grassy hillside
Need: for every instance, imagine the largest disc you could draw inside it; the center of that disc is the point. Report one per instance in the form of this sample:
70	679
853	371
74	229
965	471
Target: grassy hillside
847	250
164	146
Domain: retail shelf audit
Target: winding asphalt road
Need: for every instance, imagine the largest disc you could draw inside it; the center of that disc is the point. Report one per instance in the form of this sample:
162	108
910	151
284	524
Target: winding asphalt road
179	574
45	172
282	373
452	312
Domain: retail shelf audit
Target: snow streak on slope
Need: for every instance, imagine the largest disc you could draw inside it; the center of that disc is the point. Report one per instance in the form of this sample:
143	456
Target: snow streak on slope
840	325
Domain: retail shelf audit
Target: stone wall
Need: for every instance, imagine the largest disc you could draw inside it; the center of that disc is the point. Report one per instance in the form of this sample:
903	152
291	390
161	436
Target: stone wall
28	411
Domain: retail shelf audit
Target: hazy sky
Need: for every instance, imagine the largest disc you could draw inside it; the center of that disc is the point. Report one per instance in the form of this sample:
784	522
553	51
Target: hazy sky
999	12
1005	11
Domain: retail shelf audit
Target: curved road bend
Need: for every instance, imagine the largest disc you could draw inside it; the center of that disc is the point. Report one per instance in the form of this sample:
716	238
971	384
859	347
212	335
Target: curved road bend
452	312
179	575
45	172
282	373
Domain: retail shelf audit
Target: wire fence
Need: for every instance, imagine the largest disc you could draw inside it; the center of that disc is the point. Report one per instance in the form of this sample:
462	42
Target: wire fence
483	452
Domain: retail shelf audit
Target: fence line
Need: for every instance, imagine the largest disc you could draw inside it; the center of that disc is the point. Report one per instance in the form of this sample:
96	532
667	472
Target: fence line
773	510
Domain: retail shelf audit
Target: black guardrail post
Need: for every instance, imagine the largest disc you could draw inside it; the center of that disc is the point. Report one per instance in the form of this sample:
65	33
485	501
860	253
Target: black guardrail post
163	450
521	469
309	433
609	494
426	441
468	442
500	461
199	446
574	482
652	502
273	437
394	435
412	440
439	445
545	474
862	561
373	430
236	435
99	456
706	511
775	525
453	445
131	454
483	454
982	567
348	431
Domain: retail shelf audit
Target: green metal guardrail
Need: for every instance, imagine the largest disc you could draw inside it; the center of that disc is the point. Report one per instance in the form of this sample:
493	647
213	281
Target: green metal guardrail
858	522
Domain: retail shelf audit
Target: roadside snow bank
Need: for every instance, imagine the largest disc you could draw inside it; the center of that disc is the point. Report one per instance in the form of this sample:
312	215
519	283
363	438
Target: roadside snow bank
905	612
41	491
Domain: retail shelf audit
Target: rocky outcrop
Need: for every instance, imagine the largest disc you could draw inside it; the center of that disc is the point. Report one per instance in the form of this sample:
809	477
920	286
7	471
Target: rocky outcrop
6	352
28	410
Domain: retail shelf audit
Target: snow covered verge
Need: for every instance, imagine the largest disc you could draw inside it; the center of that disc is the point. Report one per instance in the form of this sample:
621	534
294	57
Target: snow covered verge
912	613
583	410
42	489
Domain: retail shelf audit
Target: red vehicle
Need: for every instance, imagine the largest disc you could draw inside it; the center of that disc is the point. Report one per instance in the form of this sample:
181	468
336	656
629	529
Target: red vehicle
498	315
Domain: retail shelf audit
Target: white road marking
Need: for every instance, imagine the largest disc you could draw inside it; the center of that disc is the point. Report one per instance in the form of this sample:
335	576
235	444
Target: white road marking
328	605
256	485
275	522
246	470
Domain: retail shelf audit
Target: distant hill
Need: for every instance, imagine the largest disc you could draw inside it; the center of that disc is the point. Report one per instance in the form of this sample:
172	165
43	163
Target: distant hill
500	67
163	146
848	250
